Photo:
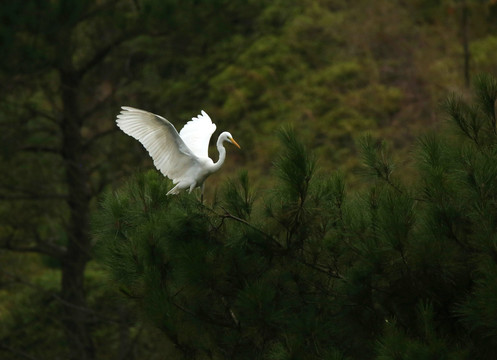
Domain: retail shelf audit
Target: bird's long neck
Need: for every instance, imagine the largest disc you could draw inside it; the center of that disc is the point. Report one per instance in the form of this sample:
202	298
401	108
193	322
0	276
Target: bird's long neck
222	154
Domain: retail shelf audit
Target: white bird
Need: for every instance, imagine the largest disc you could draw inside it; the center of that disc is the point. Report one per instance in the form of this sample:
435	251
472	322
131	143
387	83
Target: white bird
182	157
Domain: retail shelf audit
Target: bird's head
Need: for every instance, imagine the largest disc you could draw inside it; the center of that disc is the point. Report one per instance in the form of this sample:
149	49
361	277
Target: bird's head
226	136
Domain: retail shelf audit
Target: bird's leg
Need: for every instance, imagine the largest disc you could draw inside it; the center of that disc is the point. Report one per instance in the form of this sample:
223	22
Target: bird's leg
202	193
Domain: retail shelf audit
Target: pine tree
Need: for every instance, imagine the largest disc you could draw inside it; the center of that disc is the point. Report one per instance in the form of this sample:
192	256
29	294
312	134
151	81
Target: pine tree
226	281
438	304
311	270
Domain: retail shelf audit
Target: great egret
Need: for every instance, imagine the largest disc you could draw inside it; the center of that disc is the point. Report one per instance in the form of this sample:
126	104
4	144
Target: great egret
182	157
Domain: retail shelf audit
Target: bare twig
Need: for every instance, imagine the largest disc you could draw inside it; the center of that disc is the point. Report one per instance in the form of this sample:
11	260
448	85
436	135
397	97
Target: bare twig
228	215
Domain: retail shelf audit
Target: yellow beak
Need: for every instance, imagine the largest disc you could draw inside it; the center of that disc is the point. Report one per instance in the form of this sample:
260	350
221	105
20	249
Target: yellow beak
235	143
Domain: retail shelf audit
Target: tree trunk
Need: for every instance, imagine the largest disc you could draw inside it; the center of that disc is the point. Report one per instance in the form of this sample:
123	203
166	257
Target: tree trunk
74	261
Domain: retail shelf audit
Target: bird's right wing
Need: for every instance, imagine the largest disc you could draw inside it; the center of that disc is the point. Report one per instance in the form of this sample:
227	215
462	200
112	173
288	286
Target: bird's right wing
197	133
170	154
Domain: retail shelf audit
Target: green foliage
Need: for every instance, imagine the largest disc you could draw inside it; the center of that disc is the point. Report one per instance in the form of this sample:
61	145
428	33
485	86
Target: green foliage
484	51
477	122
21	320
396	271
186	270
239	197
294	167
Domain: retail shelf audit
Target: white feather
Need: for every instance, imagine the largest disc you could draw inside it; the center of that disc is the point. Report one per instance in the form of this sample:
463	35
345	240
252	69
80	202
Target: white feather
197	133
170	154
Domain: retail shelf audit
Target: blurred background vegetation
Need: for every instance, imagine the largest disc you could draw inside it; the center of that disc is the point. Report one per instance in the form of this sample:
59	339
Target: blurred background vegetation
335	70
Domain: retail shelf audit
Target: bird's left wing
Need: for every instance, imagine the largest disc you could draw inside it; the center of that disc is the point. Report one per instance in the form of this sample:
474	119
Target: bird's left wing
170	154
197	133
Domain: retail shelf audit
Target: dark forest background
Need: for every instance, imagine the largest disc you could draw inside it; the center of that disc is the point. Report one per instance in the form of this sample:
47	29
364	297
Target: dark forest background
359	220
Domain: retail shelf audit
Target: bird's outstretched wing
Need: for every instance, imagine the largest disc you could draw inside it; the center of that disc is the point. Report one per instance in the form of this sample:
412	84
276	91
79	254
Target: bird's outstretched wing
197	133
170	154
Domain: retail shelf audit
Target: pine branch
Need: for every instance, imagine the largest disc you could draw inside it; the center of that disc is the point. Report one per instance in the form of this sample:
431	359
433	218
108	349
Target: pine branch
95	12
201	317
102	53
33	197
97	137
42	114
322	269
227	215
41	247
40	149
103	102
56	297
